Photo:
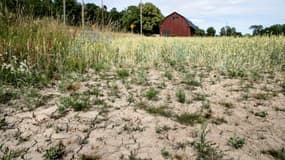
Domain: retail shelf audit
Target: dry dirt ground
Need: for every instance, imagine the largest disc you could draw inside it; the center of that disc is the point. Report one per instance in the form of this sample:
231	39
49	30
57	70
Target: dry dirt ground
146	114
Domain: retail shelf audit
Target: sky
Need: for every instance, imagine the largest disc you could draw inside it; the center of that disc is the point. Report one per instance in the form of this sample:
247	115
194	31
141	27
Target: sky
240	14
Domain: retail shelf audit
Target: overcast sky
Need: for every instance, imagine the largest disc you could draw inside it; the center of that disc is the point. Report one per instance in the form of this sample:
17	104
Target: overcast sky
217	13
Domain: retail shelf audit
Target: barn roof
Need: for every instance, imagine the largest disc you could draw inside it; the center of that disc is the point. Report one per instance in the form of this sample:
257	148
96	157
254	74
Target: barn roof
191	24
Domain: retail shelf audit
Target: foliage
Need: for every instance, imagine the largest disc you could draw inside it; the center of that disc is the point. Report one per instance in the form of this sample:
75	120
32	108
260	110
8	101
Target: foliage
181	97
55	152
190	118
278	154
236	142
276	29
229	31
211	31
206	149
76	101
151	94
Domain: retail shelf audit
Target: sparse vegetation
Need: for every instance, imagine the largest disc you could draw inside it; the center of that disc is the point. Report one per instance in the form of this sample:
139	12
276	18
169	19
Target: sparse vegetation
76	102
236	142
206	149
261	114
123	73
55	152
180	95
277	154
168	75
151	94
190	118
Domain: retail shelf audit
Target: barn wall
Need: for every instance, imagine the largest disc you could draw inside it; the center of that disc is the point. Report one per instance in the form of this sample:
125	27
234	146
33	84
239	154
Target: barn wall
175	25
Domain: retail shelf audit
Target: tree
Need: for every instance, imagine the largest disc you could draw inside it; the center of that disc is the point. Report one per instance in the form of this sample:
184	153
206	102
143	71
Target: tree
151	18
131	16
211	31
229	31
199	32
257	29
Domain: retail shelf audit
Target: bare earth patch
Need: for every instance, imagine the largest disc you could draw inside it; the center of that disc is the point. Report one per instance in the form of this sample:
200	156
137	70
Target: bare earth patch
120	115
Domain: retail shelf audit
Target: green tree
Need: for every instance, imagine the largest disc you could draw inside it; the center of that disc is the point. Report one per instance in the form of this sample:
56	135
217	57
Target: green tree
151	18
257	29
199	32
131	16
211	31
229	31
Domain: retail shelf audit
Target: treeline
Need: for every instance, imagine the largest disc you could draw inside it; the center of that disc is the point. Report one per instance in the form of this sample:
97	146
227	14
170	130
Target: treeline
258	30
276	29
93	14
224	31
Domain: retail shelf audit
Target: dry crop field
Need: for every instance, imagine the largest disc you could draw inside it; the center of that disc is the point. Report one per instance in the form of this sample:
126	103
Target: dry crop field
72	94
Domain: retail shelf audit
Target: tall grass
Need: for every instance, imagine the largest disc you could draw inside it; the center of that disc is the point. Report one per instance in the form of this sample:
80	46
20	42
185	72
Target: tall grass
36	51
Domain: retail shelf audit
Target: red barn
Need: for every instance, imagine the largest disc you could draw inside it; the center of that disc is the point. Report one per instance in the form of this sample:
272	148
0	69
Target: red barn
176	25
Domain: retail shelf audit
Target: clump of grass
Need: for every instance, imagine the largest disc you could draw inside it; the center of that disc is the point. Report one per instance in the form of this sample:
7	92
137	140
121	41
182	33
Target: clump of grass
277	154
236	142
180	95
76	102
190	118
261	114
151	94
7	154
123	73
7	95
161	111
3	123
219	121
262	96
55	152
168	75
206	149
90	157
227	105
189	79
199	97
165	154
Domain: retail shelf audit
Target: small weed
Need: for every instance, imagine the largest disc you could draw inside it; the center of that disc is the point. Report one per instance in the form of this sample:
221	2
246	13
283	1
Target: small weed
123	73
161	111
90	157
206	150
55	153
278	109
262	96
189	79
165	154
227	105
141	77
77	102
199	97
151	94
6	96
7	154
180	95
277	154
3	123
236	142
261	114
162	129
219	121
190	118
168	75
